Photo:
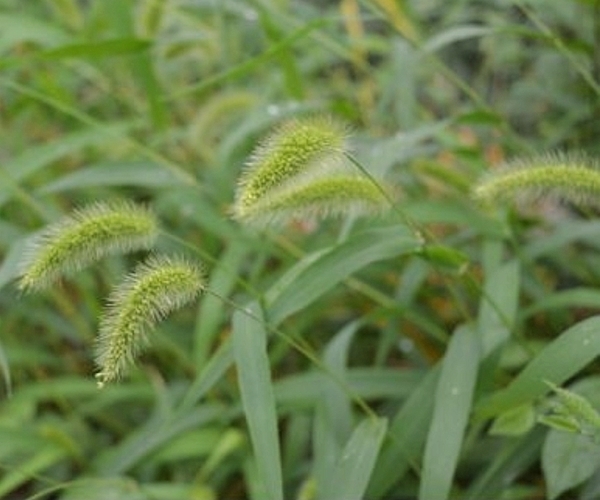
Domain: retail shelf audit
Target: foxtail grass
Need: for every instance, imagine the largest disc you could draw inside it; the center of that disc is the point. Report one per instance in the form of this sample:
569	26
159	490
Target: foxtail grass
83	238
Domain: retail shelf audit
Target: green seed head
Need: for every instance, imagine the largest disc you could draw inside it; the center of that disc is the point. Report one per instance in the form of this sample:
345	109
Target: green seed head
571	178
154	289
83	238
295	149
318	198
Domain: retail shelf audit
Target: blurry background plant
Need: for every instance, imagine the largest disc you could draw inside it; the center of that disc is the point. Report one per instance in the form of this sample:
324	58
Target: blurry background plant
161	102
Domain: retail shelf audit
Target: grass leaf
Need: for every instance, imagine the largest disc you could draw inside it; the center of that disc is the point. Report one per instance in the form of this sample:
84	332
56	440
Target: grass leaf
143	174
250	352
97	49
568	459
499	306
349	479
332	266
571	351
37	157
407	435
452	407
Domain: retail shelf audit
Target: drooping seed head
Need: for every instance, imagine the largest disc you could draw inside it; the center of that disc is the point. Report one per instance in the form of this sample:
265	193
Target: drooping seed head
571	178
319	198
295	148
83	238
152	291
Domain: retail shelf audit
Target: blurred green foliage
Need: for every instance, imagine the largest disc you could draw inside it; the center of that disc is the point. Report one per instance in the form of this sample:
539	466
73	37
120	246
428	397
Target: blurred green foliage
338	360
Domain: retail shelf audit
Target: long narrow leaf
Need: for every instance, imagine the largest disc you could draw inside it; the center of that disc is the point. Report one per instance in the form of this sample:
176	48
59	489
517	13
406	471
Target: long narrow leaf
452	406
331	267
516	456
145	174
499	306
349	479
40	156
333	417
563	357
97	49
407	435
254	378
46	456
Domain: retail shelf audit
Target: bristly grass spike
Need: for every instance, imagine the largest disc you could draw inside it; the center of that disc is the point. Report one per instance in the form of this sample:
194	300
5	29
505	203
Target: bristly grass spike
156	287
572	178
295	148
84	237
303	171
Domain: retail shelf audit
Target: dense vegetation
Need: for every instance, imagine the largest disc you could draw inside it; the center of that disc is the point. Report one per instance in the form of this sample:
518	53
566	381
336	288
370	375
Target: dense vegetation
400	328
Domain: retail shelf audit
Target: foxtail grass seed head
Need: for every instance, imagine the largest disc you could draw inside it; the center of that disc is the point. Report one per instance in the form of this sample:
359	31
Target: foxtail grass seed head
569	178
295	148
83	238
152	291
320	198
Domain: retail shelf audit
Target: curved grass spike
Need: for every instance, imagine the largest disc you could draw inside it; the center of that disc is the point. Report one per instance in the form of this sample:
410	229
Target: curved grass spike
317	198
295	148
572	178
153	290
83	238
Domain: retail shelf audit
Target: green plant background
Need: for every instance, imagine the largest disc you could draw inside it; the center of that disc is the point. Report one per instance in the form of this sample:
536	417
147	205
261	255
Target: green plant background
339	359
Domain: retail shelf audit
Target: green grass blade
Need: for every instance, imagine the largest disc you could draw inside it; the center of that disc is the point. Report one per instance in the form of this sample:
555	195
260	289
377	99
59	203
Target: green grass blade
326	449
292	75
336	399
585	297
156	432
141	174
574	349
95	50
349	479
333	417
10	266
250	64
211	311
499	306
212	372
101	127
452	212
451	410
5	370
45	457
142	63
40	156
16	28
303	389
407	435
254	377
319	275
104	489
456	34
565	234
515	457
